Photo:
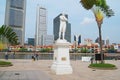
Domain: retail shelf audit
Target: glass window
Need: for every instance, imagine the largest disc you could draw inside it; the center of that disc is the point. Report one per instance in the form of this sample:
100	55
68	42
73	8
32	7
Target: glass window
17	4
19	34
42	19
42	12
16	18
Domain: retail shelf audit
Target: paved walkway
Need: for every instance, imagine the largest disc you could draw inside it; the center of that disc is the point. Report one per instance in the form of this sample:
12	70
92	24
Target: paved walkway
23	75
40	70
23	70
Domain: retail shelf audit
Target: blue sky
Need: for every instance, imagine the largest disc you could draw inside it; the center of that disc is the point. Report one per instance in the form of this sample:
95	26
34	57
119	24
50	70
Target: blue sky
82	21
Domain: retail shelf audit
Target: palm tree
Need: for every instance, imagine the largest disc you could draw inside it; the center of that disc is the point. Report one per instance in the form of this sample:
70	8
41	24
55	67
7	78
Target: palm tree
100	10
7	37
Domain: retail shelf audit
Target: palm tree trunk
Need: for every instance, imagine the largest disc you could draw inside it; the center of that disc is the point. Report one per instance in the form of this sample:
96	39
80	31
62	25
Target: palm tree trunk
100	40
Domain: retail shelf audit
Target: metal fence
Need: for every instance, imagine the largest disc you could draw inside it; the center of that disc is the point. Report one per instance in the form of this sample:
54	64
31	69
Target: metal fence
49	56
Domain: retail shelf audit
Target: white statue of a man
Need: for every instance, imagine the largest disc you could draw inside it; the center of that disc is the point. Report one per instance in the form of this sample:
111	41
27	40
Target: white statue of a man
62	29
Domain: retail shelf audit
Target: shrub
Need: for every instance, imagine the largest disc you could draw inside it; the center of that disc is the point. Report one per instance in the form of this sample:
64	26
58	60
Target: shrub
102	66
45	50
5	64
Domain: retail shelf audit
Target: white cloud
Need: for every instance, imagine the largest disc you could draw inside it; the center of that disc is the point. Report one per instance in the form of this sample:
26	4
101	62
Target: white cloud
87	21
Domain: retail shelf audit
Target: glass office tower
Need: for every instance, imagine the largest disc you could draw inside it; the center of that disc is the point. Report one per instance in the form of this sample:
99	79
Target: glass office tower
41	26
15	17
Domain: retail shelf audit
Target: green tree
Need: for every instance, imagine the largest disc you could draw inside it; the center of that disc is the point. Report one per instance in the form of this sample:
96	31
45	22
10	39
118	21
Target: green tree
7	37
100	10
23	49
84	50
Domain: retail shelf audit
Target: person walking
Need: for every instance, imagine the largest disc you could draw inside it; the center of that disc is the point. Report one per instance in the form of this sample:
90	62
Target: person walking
6	55
37	56
14	55
33	57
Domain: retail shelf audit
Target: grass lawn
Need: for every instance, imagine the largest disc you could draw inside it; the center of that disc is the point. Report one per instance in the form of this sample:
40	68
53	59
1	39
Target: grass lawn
104	66
5	64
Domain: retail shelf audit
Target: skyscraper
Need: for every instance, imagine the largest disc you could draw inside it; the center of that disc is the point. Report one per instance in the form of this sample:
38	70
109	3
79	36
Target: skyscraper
56	25
41	26
107	41
49	40
15	17
77	38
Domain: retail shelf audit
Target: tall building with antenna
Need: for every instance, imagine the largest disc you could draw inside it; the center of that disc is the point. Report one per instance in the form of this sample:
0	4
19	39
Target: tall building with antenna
41	26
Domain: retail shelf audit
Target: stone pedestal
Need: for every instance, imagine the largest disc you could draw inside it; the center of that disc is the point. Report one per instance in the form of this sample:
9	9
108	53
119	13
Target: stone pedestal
61	62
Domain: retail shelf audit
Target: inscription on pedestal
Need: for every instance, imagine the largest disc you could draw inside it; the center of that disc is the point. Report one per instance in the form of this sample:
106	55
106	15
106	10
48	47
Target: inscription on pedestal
63	58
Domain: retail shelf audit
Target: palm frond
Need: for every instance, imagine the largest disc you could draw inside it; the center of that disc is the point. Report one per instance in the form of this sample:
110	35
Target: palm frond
8	35
104	7
87	4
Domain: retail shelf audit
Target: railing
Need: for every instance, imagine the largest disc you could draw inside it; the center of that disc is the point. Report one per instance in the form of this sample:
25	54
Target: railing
49	56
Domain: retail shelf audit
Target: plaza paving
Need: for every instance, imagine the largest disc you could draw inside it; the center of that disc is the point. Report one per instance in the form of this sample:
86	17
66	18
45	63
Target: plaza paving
40	70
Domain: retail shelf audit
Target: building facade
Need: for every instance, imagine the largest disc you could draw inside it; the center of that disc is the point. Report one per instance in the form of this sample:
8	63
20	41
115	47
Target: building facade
77	39
15	17
88	42
56	25
31	41
49	40
98	41
41	26
107	42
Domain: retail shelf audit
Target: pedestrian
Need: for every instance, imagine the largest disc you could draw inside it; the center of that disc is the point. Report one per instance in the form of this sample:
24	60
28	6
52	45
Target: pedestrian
36	55
14	55
6	55
91	60
33	57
